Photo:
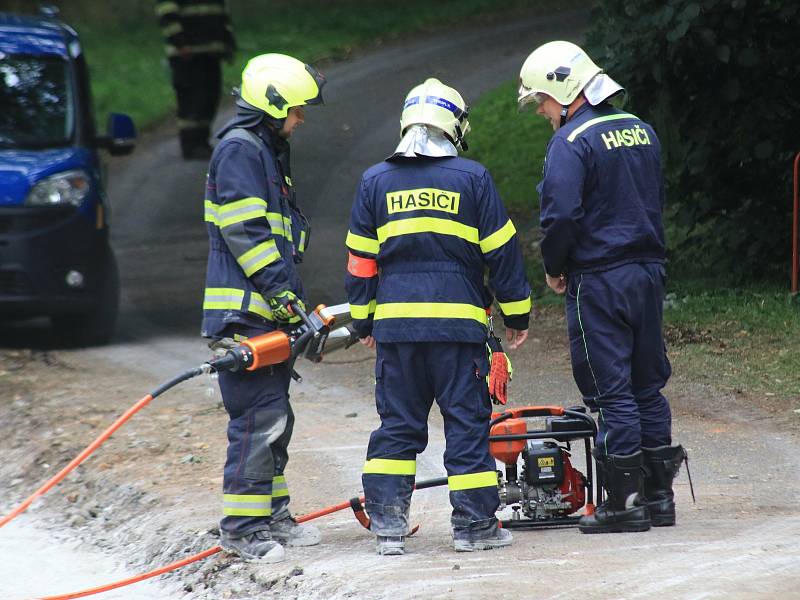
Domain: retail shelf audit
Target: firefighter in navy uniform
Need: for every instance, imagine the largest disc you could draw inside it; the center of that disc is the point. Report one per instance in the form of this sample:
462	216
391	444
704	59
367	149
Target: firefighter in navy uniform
257	234
602	196
424	227
198	35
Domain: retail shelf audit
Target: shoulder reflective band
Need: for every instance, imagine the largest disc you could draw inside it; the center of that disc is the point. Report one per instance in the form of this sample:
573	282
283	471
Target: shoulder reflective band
473	480
498	238
361	267
591	122
361	243
390	466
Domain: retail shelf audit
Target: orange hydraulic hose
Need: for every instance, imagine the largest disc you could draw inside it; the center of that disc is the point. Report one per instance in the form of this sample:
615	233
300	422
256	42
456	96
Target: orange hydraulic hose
137	578
78	459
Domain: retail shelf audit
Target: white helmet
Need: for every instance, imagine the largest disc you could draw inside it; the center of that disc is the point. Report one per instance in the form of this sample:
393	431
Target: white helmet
435	104
562	70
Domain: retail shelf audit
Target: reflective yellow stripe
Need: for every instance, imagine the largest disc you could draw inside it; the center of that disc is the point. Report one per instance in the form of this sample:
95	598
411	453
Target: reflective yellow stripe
303	241
165	8
280	225
202	10
171	29
472	481
427	225
244	505
361	243
223	299
362	311
390	466
211	212
498	238
279	487
259	257
520	307
259	306
591	122
241	210
430	310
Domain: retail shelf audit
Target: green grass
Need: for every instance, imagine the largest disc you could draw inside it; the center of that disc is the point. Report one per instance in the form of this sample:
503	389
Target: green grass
125	53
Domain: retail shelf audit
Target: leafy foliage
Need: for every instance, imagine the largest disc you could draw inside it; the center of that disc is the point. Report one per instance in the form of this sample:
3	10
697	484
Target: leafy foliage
715	78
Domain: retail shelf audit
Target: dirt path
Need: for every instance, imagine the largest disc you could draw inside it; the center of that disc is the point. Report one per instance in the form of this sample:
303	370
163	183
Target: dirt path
151	495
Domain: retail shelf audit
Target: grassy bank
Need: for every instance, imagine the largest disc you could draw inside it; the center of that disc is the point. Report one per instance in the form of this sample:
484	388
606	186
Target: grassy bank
738	339
125	52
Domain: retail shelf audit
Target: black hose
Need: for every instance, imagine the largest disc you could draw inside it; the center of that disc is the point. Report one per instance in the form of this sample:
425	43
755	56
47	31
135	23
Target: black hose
176	380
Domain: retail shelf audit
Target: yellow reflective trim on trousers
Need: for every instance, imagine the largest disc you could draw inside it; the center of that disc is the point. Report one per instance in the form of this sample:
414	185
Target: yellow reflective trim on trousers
472	481
591	122
361	243
519	307
279	487
427	225
498	238
390	466
223	299
259	257
247	505
362	311
430	310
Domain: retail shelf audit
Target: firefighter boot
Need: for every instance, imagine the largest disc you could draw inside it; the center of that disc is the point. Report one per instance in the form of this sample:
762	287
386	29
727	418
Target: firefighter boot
391	545
289	532
486	539
624	509
661	466
257	546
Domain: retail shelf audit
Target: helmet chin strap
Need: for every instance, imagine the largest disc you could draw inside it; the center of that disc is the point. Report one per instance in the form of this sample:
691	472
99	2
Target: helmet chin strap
564	112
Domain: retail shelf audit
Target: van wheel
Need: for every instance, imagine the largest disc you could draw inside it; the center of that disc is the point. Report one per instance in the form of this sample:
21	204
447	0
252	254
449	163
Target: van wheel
96	327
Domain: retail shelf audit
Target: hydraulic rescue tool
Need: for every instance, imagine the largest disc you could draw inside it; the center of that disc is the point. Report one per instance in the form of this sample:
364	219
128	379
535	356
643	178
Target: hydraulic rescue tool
313	338
548	489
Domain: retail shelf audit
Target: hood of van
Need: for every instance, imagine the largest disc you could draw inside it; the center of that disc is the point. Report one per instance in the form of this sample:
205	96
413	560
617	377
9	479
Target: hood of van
20	170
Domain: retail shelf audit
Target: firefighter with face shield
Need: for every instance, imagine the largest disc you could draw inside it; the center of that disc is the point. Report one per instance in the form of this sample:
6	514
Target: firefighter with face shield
257	235
425	226
601	199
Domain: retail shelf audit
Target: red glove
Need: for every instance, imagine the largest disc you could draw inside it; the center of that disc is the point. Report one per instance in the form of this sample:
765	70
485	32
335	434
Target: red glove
500	372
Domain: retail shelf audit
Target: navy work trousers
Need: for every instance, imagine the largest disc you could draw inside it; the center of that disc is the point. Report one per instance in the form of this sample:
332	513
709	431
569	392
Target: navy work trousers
409	376
619	360
259	430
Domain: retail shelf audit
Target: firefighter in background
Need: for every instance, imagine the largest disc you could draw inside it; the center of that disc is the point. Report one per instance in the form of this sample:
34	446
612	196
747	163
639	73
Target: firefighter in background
198	35
257	234
602	196
424	227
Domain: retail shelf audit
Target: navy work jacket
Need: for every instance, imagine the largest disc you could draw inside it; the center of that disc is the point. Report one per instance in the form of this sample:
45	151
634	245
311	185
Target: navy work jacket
256	233
602	193
433	225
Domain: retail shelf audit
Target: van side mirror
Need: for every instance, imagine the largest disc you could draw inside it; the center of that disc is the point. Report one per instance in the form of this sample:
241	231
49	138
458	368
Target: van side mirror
120	135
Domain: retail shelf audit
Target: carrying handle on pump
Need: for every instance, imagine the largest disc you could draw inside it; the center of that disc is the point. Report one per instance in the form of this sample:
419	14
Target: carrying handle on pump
528	411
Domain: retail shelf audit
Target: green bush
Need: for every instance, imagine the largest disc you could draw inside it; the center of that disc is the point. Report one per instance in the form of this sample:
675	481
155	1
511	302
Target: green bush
714	78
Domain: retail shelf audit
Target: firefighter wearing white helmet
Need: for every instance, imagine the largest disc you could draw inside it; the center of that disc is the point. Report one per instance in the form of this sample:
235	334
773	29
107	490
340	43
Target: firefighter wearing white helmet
434	223
257	235
601	201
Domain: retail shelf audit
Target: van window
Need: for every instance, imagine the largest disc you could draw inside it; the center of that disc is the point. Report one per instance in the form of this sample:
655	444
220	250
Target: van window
37	107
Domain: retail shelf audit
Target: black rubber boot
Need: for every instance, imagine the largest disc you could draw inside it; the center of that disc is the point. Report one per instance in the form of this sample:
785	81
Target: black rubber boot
661	465
624	509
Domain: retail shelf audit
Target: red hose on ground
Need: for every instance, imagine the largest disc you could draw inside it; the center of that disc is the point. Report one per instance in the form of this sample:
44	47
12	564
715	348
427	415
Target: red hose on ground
137	578
78	459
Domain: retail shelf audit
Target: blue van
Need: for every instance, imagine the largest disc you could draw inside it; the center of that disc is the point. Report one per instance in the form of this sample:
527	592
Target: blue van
55	257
